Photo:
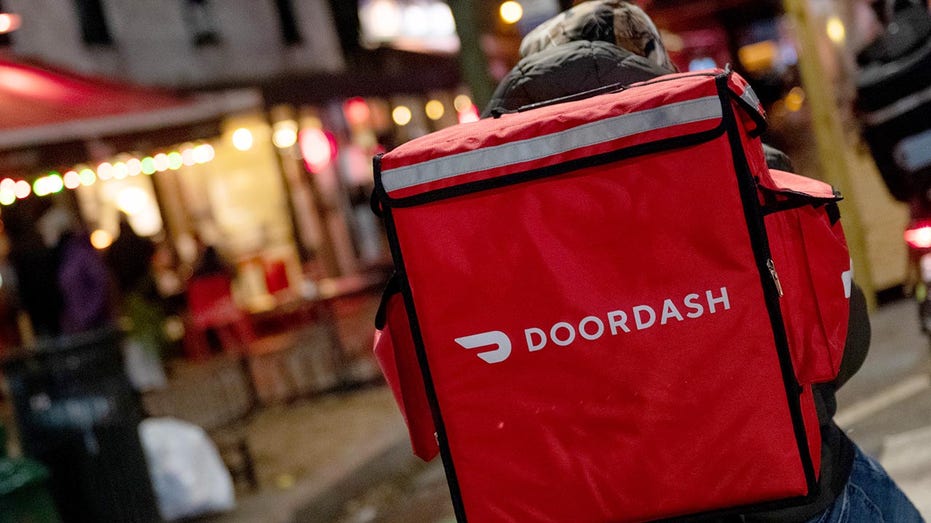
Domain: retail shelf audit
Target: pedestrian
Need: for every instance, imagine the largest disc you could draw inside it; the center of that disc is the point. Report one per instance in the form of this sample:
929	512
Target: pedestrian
130	259
142	313
35	266
601	43
83	280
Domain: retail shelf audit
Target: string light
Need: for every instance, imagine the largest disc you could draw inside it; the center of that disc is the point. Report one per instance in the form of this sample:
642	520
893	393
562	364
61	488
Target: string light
88	177
462	103
120	170
161	162
148	165
124	166
204	153
72	180
134	166
105	171
188	156
435	109
7	191
175	161
401	115
243	139
22	189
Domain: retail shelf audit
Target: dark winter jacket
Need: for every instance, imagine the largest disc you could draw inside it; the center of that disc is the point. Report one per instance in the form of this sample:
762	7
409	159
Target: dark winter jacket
570	70
84	283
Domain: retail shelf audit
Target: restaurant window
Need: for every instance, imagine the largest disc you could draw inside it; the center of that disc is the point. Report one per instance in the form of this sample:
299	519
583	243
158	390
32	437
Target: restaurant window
290	34
202	23
93	20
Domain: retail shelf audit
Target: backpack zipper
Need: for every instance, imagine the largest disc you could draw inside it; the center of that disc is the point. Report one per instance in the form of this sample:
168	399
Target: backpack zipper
774	275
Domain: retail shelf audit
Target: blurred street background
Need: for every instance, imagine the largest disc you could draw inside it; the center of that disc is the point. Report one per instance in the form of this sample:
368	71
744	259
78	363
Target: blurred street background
211	163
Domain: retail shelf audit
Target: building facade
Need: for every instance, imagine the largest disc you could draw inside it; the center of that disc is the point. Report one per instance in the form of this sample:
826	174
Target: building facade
288	178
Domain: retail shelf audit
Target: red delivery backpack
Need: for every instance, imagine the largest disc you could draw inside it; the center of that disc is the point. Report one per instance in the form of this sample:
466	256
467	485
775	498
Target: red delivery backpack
609	309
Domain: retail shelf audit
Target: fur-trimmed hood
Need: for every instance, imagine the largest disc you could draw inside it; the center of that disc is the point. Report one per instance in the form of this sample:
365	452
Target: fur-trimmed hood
595	44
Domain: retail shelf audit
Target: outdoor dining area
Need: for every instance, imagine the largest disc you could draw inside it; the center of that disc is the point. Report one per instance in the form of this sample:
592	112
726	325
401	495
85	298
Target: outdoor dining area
232	361
306	341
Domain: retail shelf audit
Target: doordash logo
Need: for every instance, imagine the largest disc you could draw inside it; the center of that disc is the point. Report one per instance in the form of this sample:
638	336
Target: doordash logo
590	328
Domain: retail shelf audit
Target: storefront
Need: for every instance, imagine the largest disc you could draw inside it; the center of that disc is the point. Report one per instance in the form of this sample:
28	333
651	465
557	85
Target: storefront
178	167
281	189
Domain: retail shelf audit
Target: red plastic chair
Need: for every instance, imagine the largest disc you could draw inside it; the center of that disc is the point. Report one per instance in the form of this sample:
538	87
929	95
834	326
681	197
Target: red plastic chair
276	276
211	307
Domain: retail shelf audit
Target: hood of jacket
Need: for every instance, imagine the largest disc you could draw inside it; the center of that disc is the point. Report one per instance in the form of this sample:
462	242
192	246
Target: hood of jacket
594	45
569	69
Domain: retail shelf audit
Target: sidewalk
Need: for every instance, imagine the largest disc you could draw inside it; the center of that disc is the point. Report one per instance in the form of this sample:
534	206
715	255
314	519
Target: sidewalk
312	457
886	406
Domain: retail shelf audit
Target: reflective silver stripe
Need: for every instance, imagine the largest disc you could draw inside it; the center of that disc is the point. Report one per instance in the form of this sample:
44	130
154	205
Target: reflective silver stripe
540	147
900	107
749	96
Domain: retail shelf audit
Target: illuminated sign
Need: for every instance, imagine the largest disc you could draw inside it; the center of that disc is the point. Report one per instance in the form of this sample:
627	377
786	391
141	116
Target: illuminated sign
414	25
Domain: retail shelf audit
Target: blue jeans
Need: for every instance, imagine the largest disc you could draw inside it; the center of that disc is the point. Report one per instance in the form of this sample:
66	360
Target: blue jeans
870	497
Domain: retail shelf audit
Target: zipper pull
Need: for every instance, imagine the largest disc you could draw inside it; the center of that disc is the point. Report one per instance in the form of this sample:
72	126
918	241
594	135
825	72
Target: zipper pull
772	272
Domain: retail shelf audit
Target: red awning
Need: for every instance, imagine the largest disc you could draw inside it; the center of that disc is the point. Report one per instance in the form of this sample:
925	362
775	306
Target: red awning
41	106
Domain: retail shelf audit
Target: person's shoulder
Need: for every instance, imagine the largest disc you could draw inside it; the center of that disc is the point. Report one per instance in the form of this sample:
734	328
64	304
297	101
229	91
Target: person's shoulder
776	159
568	69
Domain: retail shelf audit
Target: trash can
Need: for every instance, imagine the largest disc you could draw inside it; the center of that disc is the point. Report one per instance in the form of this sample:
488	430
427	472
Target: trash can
78	415
23	493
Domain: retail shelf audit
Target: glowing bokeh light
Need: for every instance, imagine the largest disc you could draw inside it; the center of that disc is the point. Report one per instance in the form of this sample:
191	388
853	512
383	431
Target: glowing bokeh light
161	162
836	30
795	99
175	160
38	187
204	153
9	22
469	114
284	134
55	183
243	139
462	102
22	189
7	191
401	115
148	165
383	19
188	156
101	239
316	148
88	177
72	180
134	166
131	200
435	109
357	111
49	184
105	171
511	12
120	170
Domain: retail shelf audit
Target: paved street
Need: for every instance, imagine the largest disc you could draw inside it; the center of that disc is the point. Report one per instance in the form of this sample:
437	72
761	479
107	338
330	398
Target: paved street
886	408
